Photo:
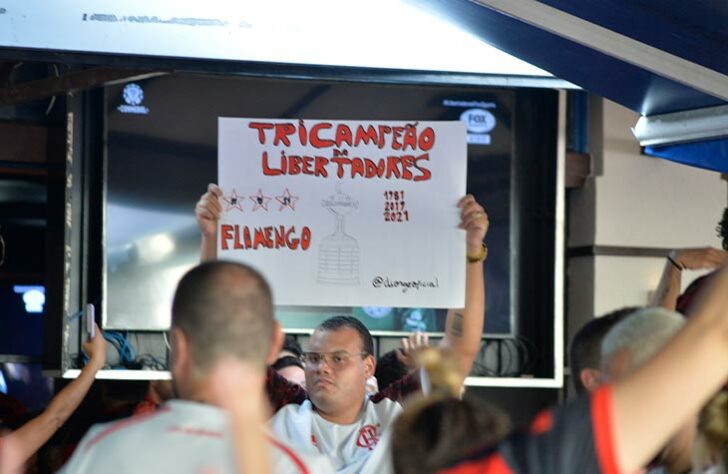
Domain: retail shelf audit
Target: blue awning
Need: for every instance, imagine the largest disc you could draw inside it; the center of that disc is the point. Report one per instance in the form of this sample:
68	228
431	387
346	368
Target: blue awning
656	57
710	154
665	59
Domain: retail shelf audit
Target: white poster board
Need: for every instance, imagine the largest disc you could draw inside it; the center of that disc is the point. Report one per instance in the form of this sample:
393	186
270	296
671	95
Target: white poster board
346	213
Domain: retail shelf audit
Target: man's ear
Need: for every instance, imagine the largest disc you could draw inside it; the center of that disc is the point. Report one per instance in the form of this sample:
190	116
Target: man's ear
276	343
370	364
591	379
179	352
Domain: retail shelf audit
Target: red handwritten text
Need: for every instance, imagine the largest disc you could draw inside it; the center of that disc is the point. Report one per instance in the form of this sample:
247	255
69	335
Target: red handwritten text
272	237
406	167
325	135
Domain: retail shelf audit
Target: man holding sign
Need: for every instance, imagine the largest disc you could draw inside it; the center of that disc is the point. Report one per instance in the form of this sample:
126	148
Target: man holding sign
335	417
350	213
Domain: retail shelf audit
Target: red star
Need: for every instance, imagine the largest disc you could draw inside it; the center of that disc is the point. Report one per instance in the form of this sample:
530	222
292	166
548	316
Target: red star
260	200
234	201
287	200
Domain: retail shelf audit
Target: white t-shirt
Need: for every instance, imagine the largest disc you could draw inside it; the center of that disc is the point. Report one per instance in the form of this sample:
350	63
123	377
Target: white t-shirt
180	437
361	447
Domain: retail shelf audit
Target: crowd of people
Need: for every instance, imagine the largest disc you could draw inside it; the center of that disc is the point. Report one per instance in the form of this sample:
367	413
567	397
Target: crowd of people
652	386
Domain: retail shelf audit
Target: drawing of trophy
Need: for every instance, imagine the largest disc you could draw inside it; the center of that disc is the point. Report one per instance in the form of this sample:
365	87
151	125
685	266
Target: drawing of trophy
339	252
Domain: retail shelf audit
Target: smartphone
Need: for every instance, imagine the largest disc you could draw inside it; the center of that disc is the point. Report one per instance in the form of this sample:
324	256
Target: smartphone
89	321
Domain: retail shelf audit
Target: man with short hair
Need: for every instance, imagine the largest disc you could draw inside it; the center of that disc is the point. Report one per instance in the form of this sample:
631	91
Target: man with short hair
336	417
585	352
221	310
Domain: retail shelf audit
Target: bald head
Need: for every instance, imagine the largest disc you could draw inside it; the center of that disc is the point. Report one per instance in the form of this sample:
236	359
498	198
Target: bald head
224	308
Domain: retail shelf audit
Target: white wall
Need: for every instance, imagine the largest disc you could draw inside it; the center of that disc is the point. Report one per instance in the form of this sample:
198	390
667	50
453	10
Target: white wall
651	202
633	201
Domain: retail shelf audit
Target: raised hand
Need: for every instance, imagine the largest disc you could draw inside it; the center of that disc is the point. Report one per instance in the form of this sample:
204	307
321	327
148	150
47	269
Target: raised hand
474	220
411	346
95	349
208	210
699	258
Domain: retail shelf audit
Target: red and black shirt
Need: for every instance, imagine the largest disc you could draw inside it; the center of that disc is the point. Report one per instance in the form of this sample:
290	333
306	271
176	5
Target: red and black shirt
575	439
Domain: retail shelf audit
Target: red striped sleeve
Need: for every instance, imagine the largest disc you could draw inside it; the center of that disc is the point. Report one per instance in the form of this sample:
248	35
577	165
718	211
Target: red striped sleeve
289	452
602	420
123	424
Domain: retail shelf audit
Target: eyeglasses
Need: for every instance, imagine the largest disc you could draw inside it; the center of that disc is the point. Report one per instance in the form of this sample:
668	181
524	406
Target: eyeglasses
335	360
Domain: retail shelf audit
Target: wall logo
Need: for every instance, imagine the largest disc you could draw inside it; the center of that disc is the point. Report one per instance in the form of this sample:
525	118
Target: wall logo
133	96
480	123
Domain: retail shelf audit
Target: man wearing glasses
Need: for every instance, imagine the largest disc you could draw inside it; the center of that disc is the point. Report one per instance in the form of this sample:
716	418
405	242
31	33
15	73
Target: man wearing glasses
334	416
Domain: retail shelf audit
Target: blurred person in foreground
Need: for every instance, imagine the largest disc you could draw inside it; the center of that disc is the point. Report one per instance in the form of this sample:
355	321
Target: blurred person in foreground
221	311
619	428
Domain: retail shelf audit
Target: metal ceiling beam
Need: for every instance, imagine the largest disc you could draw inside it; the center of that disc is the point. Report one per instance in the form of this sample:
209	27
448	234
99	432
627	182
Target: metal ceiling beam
613	44
72	81
682	127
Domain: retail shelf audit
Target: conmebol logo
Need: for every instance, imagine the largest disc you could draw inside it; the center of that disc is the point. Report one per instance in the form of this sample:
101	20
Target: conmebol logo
133	96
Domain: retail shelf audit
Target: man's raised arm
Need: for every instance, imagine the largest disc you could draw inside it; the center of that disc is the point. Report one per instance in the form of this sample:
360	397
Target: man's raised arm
207	214
676	382
464	327
237	387
679	260
26	440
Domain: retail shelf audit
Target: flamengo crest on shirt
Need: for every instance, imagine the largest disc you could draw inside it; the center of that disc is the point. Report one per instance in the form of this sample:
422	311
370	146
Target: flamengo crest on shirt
368	437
